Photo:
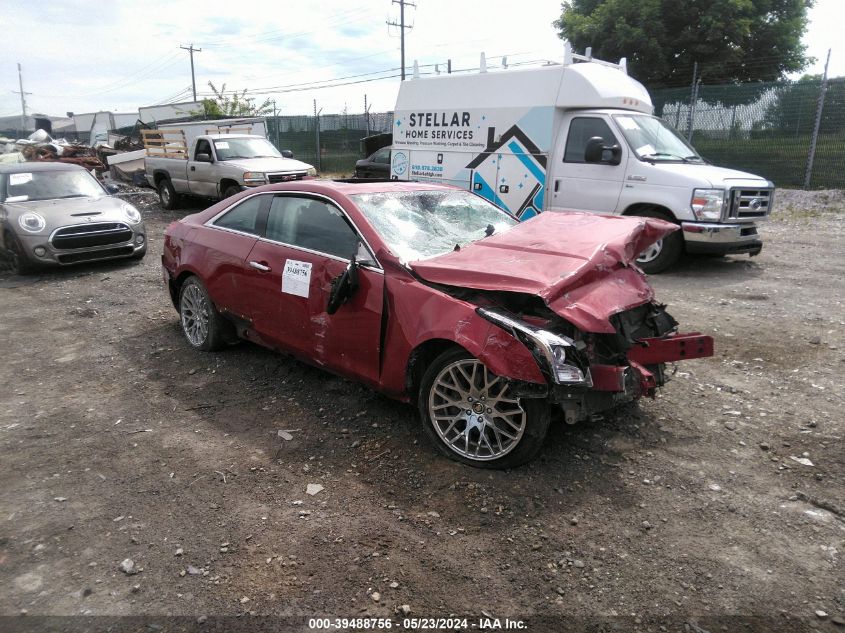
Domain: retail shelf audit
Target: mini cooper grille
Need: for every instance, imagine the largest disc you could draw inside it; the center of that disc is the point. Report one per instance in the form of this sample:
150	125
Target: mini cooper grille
90	256
87	235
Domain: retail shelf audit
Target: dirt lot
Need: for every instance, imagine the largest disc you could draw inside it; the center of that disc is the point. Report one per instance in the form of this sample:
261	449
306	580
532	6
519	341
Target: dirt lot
119	442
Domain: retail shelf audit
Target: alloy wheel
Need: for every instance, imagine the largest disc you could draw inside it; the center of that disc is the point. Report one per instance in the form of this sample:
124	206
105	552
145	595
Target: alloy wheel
195	313
651	253
473	411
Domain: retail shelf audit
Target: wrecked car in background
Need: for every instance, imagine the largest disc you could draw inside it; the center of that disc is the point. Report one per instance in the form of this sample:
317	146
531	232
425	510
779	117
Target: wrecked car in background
58	213
435	296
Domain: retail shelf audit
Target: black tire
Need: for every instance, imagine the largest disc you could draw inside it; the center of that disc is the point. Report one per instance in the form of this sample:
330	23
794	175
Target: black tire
21	263
195	307
529	434
167	194
230	191
670	248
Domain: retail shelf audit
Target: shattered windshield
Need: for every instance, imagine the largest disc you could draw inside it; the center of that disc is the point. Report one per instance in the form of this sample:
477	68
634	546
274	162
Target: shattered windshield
652	139
422	224
232	148
50	185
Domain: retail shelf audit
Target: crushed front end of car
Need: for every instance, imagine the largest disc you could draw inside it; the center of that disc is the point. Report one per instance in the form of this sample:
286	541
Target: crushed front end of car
567	288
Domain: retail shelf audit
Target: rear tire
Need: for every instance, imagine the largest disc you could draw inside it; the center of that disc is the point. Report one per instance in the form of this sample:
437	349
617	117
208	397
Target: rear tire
167	194
203	326
664	253
471	415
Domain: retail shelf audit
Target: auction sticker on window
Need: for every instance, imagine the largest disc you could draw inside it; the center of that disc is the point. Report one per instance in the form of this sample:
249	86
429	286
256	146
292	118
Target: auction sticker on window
296	278
19	179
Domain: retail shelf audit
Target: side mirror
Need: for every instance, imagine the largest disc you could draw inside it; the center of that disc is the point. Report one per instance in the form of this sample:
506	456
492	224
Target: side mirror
596	149
343	287
202	157
287	153
112	189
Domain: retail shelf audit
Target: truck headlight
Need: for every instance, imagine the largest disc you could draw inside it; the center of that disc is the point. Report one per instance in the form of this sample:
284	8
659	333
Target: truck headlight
556	354
32	222
708	204
132	214
254	178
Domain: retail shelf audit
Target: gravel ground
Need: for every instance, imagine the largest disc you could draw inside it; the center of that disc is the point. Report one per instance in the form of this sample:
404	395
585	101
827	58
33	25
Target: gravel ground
139	477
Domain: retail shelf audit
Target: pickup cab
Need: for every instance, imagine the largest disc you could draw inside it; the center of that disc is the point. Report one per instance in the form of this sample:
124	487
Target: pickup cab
214	166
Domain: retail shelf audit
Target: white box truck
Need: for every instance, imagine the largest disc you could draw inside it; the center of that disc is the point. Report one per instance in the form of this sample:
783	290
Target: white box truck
576	136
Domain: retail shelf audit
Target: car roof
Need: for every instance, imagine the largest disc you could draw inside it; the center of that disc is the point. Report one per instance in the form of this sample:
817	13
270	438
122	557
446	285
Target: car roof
352	187
17	168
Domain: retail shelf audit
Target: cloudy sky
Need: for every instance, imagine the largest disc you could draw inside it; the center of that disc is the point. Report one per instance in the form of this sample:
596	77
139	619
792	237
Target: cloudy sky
82	56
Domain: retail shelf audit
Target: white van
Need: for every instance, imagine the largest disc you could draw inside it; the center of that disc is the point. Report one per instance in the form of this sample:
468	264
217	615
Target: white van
577	136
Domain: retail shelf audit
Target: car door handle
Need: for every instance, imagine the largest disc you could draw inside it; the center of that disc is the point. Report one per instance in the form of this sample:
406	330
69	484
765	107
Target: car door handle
557	185
258	266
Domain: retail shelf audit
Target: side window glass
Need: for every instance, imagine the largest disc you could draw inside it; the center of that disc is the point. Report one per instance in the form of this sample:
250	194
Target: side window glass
203	147
311	224
382	156
581	130
243	217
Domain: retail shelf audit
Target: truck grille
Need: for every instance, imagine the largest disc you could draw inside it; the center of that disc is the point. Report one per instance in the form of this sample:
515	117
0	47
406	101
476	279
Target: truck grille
88	235
274	178
750	204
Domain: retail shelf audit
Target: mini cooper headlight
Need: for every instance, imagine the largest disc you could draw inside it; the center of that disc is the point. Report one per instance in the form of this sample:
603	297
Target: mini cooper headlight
32	222
132	214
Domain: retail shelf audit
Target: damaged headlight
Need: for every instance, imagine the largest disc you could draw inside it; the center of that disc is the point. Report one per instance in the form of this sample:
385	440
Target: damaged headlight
32	222
708	204
556	354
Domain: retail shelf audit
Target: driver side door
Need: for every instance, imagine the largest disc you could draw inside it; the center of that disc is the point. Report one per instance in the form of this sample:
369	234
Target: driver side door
201	178
582	186
307	245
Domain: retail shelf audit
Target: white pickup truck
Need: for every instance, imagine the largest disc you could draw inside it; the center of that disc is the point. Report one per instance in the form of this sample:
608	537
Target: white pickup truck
215	166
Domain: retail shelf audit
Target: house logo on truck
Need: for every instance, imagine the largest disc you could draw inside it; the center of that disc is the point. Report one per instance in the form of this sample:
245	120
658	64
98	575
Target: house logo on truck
510	172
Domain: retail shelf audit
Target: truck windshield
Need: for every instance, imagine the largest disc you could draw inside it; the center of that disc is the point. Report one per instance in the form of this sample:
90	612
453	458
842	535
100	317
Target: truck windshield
422	224
652	139
232	148
51	185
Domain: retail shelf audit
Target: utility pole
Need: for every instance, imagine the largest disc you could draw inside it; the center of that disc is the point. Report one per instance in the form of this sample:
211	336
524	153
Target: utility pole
192	50
23	99
808	172
402	4
276	125
696	82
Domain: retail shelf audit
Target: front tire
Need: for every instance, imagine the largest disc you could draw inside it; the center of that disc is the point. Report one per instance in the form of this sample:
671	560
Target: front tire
230	191
167	194
664	253
21	264
202	324
472	416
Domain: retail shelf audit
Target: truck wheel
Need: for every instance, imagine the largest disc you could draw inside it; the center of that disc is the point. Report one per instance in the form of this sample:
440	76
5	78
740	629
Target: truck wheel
167	194
473	417
230	191
664	253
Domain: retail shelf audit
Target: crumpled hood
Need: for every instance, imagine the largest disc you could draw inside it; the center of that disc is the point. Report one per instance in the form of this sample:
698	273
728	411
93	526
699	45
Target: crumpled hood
579	264
269	165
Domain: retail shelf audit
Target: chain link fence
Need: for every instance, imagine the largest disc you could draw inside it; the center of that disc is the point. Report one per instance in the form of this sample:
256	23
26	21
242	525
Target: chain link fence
765	128
337	135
